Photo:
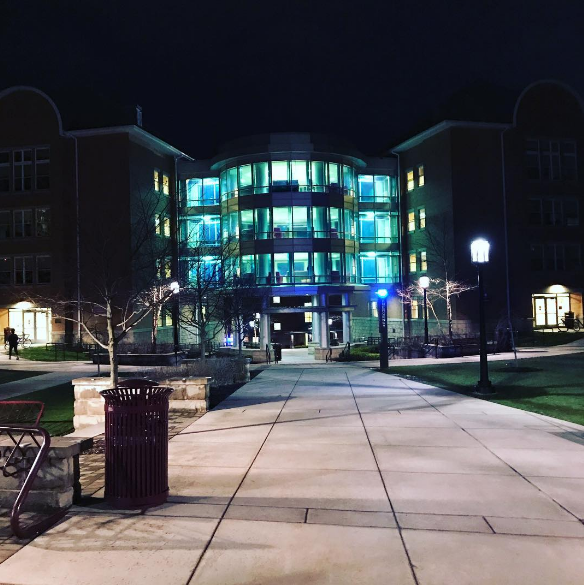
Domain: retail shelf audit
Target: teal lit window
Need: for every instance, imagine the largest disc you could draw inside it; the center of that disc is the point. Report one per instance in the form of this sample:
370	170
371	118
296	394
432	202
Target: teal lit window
261	177
383	232
264	269
367	227
194	192
366	189
231	182
223	185
382	188
248	268
349	224
318	175
319	222
210	191
378	267
350	268
202	229
302	268
230	226
263	230
282	222
246	224
321	267
301	227
334	181
348	181
336	267
245	180
335	223
280	175
299	171
282	268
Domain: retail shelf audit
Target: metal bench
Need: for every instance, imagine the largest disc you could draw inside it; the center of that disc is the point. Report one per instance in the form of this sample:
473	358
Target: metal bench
19	421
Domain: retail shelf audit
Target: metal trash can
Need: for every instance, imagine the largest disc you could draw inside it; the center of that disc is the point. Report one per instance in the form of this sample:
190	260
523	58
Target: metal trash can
277	352
136	444
569	319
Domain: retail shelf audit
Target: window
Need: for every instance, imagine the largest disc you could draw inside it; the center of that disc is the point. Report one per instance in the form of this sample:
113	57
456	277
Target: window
377	227
553	212
334	174
43	222
301	222
366	189
349	218
422	218
230	226
318	176
348	181
413	262
282	222
157	180
302	268
210	191
5	171
166	224
43	264
42	168
165	185
350	268
5	225
261	177
245	180
423	261
420	175
22	170
410	180
572	257
23	223
263	231
282	267
536	257
321	273
280	175
555	257
379	267
248	268
382	188
5	271
373	312
415	308
246	223
158	225
335	222
411	221
299	171
23	270
550	160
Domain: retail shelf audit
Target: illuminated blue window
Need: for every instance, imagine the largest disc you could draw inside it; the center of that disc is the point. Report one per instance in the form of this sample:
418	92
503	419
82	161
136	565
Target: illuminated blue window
366	190
280	175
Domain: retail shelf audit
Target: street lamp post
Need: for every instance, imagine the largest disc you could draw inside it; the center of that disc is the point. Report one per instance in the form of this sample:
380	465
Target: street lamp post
174	289
425	283
479	251
382	313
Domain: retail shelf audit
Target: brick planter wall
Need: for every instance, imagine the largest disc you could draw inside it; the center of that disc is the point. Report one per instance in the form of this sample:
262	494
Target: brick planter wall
189	394
57	484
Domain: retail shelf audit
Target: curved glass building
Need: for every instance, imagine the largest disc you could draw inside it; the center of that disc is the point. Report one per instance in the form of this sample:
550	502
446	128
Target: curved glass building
310	219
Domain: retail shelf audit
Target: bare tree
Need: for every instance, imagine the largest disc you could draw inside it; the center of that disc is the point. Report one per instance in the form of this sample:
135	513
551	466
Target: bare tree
121	282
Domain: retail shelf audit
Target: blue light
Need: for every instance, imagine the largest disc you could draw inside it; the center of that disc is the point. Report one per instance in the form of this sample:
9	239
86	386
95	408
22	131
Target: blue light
382	293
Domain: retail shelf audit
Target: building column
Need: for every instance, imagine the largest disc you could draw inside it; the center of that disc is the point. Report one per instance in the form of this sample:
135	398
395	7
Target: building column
315	321
346	319
325	337
265	330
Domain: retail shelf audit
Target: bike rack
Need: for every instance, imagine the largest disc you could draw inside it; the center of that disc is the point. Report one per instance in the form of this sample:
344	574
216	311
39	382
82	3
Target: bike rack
14	417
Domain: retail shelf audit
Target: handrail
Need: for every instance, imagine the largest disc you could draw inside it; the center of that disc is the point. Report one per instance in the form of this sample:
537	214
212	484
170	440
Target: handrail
43	449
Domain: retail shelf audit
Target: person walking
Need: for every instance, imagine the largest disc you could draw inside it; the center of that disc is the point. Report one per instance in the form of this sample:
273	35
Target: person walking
12	344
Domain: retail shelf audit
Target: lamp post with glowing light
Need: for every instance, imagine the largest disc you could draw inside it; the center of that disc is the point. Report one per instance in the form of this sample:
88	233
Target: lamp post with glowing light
174	289
424	284
382	313
479	251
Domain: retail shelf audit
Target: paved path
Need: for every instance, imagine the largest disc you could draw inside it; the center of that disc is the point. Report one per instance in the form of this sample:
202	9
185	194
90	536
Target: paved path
341	475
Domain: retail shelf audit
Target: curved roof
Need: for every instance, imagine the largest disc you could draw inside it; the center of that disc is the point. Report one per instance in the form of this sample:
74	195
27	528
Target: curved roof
16	88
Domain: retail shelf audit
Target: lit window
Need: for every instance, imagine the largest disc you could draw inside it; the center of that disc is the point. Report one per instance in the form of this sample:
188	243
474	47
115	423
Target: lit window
415	309
373	309
410	180
308	317
423	261
422	218
43	222
411	221
413	262
420	175
156	180
167	227
165	185
157	227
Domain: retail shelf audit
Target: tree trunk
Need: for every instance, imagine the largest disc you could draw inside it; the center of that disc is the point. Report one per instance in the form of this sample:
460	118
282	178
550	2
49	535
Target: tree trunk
155	314
112	345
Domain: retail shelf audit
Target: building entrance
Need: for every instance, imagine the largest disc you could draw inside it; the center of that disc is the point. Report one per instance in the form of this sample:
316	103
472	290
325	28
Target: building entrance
550	309
33	323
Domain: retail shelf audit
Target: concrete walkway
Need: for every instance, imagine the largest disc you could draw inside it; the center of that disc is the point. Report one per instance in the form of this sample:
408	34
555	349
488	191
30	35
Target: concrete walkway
341	475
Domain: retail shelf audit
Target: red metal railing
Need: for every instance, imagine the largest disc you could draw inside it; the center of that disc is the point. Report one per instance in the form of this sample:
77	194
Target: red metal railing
20	419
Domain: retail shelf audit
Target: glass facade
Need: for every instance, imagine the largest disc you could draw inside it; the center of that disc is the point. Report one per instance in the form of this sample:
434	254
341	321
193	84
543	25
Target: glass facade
311	233
291	176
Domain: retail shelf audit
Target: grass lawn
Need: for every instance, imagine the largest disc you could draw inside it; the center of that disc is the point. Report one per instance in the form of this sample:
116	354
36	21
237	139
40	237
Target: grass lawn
553	386
40	354
547	338
58	414
14	375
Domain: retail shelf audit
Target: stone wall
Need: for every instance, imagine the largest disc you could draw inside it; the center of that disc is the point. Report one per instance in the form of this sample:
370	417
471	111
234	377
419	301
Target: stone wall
189	394
57	484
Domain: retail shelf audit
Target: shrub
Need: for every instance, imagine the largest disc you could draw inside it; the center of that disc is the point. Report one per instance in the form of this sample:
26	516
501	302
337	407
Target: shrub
223	371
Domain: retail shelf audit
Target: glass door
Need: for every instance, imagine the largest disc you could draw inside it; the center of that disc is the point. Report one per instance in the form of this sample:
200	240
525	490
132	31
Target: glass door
28	324
551	311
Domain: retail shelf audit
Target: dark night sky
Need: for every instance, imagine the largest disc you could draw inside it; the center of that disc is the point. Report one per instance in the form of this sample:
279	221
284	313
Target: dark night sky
207	72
